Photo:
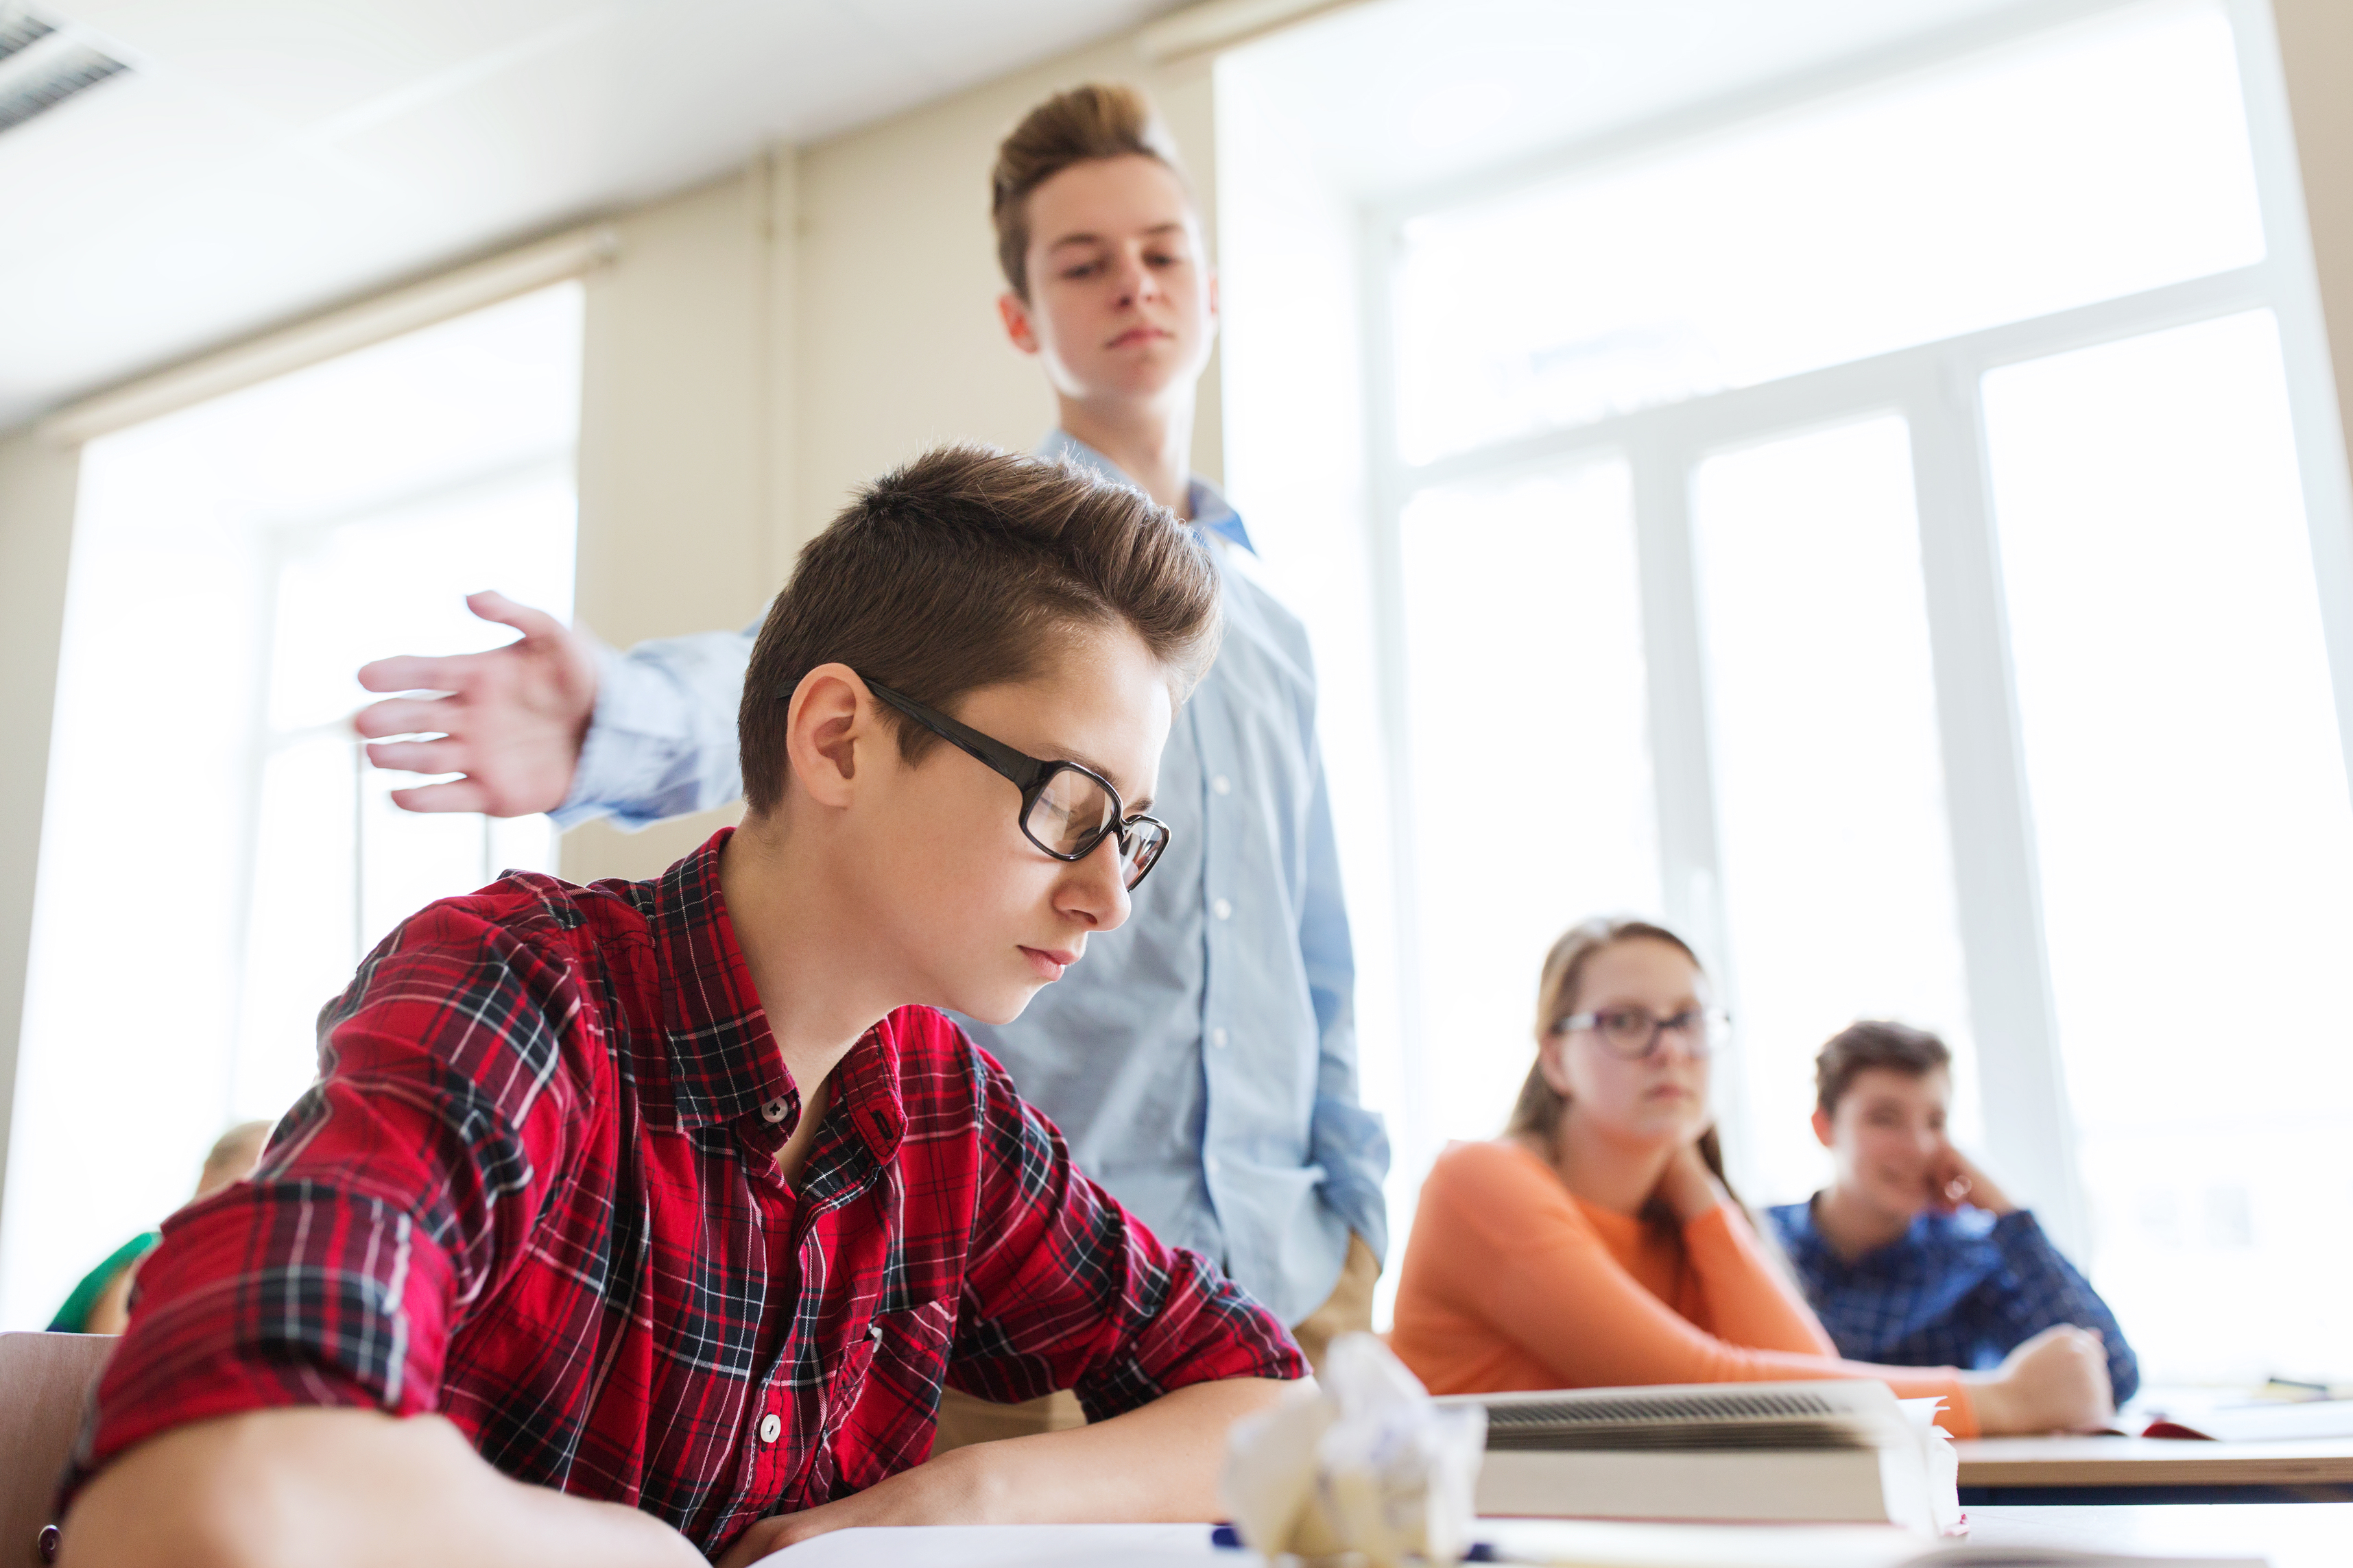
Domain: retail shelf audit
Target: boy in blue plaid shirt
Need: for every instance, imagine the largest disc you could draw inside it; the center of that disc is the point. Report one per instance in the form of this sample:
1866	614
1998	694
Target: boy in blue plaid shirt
1913	1257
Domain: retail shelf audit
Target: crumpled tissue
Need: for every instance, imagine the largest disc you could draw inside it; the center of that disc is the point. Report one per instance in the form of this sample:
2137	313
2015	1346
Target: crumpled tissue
1363	1462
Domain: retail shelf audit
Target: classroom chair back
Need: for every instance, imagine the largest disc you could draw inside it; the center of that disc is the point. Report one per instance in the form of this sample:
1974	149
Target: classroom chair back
44	1382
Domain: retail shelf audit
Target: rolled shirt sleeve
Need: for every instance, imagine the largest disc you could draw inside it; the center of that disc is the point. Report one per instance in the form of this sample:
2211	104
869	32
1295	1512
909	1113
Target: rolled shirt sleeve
392	1197
2037	1288
662	742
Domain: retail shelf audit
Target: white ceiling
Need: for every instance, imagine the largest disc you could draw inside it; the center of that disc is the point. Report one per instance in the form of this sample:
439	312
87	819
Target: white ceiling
267	157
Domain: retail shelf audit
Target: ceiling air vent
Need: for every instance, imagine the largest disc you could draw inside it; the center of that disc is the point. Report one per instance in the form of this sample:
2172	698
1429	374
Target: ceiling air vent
41	66
17	31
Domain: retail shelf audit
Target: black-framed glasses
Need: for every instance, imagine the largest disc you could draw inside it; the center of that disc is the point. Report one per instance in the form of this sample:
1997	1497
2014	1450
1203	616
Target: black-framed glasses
1630	1033
1067	808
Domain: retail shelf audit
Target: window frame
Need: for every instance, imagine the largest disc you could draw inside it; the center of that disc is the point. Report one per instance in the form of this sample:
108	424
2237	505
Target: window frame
1936	388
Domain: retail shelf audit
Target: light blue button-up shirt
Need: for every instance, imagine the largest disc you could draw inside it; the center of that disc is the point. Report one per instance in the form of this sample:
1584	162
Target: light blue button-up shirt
1201	1059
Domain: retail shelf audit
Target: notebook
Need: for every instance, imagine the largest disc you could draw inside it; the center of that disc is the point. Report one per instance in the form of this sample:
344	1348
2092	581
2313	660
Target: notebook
2266	1421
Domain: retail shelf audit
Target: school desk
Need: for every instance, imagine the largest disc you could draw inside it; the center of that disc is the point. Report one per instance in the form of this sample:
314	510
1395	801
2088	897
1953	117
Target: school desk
2287	1535
2002	1470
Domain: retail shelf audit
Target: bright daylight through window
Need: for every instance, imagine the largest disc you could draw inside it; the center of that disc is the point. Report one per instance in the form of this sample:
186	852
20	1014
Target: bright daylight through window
234	563
1687	458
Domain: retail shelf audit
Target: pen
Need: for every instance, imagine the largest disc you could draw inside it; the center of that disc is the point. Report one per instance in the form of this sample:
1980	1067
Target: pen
1226	1536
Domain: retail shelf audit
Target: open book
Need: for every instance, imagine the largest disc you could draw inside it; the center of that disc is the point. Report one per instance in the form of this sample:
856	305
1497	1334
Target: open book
1844	1451
2253	1421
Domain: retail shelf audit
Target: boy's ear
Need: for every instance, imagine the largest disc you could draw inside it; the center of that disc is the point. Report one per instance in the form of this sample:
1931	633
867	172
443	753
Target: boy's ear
831	712
1014	312
1821	1127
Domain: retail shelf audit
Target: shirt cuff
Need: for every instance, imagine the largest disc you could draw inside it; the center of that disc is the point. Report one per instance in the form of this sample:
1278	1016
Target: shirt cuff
1352	1145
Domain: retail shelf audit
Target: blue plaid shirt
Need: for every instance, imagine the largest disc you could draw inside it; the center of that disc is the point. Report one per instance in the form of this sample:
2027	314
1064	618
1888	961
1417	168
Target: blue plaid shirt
1958	1289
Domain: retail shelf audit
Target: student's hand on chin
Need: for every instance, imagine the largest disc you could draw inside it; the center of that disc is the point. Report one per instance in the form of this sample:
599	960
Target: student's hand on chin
1947	1181
1955	1180
1689	1188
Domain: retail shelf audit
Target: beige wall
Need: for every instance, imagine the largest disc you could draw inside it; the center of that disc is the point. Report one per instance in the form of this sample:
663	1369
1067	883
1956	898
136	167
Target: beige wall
768	341
685	443
2316	40
899	341
36	508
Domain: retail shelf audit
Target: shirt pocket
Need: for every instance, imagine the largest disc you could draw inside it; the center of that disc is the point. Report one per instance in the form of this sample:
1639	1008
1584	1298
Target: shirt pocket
886	1396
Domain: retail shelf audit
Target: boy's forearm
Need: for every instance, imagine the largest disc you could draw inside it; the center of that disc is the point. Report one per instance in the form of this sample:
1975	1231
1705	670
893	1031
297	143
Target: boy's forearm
1159	1464
1156	1464
327	1489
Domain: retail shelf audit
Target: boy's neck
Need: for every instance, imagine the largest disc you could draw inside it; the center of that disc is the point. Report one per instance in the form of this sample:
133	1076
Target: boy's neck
813	975
1853	1227
1151	443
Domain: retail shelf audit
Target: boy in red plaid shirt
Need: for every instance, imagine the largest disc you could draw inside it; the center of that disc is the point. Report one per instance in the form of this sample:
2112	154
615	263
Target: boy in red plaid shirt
643	1222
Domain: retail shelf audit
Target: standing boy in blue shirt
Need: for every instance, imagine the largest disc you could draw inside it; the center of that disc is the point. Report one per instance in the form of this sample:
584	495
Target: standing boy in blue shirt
1913	1257
1203	1063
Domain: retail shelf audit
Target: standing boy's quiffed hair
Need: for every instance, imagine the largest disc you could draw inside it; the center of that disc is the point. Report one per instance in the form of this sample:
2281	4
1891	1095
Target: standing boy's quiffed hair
972	567
1074	127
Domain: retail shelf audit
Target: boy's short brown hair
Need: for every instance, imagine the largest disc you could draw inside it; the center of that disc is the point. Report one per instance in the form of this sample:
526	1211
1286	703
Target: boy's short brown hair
970	567
1875	1043
1075	127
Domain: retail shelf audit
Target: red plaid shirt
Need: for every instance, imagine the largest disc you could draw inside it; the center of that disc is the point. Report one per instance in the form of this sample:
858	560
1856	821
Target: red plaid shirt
534	1190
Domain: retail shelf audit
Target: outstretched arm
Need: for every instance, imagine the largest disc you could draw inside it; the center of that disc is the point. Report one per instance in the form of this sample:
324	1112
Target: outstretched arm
556	722
1158	1463
512	722
341	1488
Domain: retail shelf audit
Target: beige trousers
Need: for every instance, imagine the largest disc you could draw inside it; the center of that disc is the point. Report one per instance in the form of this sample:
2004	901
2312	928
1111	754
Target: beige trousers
965	1420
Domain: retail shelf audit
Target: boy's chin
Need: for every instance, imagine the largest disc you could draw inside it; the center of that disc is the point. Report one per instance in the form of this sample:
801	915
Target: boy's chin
996	1005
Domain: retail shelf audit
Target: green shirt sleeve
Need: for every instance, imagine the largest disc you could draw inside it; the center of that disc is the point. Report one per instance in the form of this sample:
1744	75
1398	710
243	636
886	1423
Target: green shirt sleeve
75	1313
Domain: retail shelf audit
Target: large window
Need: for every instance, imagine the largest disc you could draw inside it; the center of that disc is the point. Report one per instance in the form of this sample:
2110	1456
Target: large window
1873	537
215	858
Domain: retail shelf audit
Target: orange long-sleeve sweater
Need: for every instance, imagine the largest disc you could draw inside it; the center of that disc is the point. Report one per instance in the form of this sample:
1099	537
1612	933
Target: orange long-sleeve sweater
1510	1280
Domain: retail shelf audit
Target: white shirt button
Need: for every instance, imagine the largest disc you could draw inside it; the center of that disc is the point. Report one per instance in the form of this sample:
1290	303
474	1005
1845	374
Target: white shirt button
1217	1039
1223	909
774	1110
770	1426
874	1332
1210	1165
1223	784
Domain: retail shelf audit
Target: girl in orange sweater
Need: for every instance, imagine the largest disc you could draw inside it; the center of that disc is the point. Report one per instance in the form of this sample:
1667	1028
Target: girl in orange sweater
1595	1243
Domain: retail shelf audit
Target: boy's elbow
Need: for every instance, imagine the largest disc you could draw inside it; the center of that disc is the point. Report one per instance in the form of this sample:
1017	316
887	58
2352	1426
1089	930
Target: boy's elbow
177	1501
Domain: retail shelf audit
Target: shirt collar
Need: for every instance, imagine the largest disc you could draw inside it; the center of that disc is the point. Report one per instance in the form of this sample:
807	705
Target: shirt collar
723	1061
1212	512
1799	1238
